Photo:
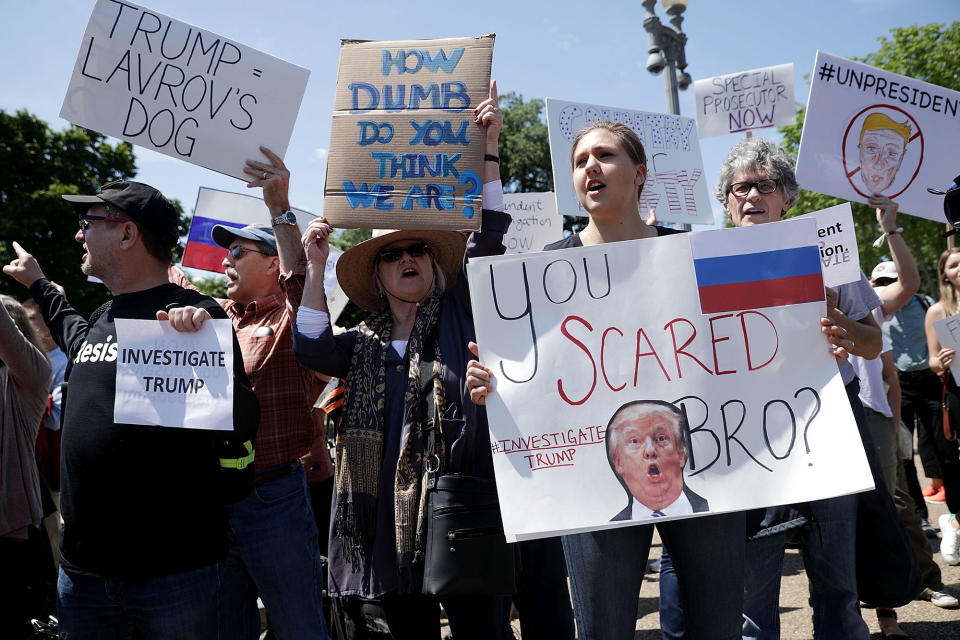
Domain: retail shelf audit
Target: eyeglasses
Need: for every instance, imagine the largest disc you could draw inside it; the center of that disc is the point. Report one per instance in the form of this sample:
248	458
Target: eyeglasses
85	218
415	250
239	250
741	189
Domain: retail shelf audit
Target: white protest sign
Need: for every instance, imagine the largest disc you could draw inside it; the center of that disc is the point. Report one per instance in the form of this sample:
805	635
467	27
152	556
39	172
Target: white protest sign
180	90
579	336
675	186
174	379
948	333
870	131
536	222
231	210
745	101
837	241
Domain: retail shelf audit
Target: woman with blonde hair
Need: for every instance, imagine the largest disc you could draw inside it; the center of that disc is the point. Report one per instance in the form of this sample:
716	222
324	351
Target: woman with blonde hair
945	433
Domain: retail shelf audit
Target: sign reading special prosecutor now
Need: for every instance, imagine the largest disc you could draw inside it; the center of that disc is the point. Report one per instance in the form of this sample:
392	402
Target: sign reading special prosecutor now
175	379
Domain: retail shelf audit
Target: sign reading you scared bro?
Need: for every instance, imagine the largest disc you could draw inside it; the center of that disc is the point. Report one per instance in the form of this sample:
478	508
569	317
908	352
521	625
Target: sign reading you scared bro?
405	152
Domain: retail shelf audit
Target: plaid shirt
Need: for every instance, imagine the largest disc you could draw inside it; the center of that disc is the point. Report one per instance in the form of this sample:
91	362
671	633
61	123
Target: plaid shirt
264	329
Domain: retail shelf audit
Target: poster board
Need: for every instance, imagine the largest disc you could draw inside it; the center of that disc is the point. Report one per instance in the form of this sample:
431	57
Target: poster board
574	336
675	187
871	131
405	152
180	90
535	224
745	101
948	333
837	242
174	379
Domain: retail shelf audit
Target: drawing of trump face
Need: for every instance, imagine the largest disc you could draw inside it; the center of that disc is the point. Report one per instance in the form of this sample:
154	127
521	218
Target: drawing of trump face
646	449
883	144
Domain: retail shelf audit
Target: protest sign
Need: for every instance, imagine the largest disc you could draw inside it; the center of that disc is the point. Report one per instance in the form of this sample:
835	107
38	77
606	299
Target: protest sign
948	333
837	241
405	152
870	131
174	379
580	336
235	210
180	90
745	101
536	222
675	186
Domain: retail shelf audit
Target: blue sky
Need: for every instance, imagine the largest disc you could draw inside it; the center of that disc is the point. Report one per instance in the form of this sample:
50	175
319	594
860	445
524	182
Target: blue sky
584	51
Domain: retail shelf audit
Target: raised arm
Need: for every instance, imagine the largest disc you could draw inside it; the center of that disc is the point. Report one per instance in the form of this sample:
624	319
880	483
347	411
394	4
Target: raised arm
274	177
899	292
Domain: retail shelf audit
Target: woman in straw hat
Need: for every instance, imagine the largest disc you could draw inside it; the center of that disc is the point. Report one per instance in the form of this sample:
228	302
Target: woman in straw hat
411	283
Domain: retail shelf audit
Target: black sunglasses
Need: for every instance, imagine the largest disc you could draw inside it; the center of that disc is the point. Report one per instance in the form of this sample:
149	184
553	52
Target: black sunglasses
85	218
239	250
415	250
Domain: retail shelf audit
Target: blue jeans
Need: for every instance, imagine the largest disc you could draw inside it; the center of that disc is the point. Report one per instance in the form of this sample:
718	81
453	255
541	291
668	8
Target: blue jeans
273	553
182	606
606	571
829	557
671	615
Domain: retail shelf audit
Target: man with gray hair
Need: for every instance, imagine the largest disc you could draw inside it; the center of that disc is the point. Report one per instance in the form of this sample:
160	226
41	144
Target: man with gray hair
647	450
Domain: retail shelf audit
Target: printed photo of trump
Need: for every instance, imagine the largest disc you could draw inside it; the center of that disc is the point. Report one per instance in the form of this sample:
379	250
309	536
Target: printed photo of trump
647	451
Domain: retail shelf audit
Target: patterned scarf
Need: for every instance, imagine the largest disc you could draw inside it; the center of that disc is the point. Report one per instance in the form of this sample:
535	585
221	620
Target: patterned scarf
360	439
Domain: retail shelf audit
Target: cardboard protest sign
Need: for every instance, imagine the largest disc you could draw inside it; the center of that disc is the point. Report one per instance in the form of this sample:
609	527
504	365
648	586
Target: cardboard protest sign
235	210
745	101
606	347
837	241
405	152
870	131
948	333
181	90
536	222
675	186
174	379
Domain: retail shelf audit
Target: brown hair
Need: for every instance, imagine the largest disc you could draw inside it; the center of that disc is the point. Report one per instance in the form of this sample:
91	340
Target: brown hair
948	295
626	137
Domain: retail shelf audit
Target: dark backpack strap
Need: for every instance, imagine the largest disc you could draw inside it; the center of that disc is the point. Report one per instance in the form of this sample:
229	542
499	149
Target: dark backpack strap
922	299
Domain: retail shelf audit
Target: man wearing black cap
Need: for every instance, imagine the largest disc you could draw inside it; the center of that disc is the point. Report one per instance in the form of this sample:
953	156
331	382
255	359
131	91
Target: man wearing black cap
274	551
144	512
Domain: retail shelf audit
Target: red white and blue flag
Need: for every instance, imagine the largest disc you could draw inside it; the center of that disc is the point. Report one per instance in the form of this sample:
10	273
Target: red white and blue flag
769	265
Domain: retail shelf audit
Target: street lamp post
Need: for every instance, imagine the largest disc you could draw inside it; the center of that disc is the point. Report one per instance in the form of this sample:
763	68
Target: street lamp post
667	51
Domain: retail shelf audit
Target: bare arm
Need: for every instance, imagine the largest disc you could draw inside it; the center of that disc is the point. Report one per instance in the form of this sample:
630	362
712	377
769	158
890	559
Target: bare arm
940	357
865	332
275	180
898	293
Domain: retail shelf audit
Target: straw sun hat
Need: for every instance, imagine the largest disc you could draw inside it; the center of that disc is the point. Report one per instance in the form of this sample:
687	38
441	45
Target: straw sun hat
355	267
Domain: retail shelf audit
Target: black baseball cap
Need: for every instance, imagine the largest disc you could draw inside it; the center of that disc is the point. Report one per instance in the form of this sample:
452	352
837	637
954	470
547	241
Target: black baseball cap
144	204
224	235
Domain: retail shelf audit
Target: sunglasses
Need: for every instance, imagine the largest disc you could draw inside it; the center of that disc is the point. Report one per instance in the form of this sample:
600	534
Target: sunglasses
85	218
238	252
415	250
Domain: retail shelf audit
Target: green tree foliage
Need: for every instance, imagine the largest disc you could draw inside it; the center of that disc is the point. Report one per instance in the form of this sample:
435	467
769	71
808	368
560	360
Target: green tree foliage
213	286
37	166
524	146
927	53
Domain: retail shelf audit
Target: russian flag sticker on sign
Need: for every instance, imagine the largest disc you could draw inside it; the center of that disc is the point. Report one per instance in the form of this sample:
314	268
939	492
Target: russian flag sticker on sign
770	265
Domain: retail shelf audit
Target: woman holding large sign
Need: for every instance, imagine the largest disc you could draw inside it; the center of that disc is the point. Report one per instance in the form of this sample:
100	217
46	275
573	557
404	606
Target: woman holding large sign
606	567
411	282
948	273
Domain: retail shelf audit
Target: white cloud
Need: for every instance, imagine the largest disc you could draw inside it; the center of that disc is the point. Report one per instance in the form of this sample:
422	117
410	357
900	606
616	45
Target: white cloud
320	153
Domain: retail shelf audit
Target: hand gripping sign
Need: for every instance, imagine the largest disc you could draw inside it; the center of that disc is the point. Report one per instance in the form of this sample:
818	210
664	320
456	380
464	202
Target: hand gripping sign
662	378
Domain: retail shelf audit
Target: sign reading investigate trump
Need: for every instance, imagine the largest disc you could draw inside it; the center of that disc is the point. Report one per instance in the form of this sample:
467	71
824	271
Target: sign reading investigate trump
662	378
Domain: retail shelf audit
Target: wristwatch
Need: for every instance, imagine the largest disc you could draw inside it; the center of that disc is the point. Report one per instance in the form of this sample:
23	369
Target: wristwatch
286	217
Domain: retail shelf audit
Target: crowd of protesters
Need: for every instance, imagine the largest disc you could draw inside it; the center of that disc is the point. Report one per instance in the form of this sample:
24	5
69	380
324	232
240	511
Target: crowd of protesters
177	533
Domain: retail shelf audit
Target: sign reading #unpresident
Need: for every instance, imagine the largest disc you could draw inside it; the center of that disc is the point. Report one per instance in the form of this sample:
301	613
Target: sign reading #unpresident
405	152
675	186
744	101
180	90
174	379
670	377
869	131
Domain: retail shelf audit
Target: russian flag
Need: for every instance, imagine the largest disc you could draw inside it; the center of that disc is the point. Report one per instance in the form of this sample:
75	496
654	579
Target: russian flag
201	252
769	265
